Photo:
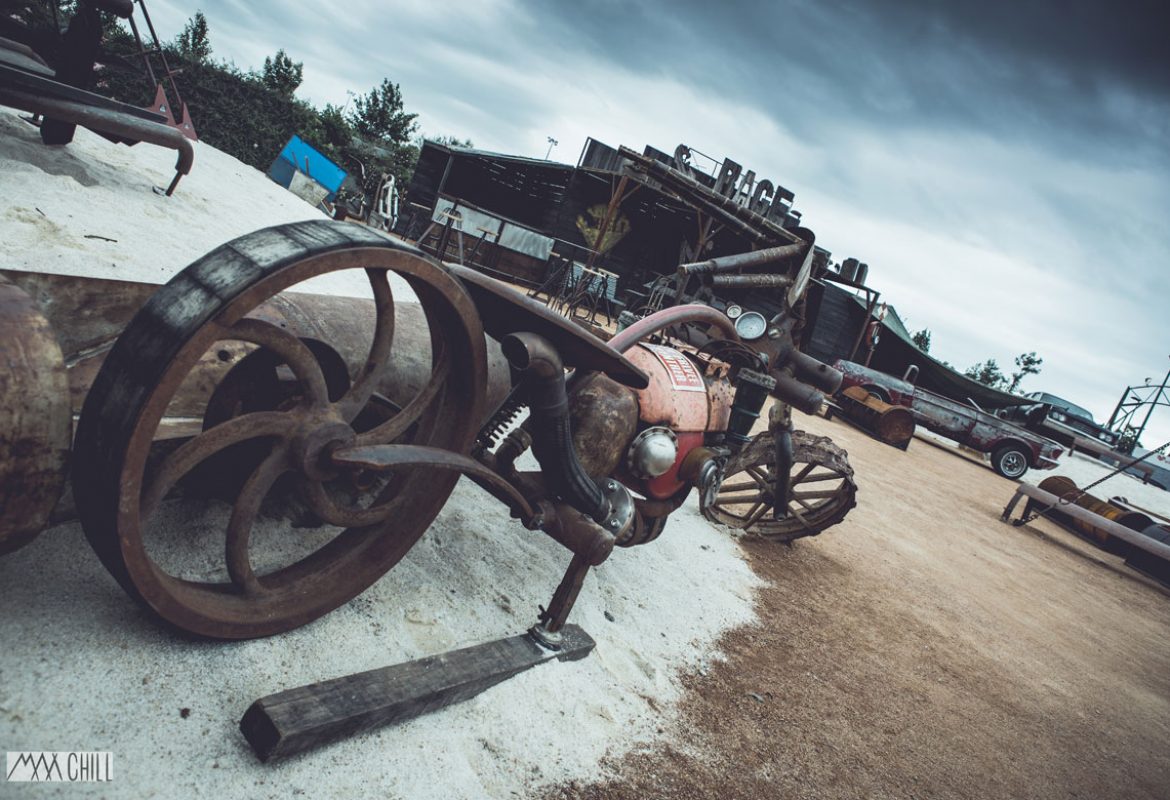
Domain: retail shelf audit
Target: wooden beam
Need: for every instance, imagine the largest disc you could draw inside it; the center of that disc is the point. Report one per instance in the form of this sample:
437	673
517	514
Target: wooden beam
296	720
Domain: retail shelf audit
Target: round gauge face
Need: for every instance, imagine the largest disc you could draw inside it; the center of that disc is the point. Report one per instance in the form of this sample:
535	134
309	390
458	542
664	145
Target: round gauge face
751	325
734	311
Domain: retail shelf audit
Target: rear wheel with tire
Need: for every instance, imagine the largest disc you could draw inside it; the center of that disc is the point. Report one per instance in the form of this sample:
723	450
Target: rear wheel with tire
1010	461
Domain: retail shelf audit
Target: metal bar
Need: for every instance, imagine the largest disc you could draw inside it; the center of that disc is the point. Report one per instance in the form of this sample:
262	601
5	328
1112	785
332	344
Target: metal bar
756	258
751	281
112	122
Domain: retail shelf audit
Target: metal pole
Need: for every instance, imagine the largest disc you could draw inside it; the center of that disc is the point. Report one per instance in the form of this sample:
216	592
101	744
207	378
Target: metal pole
1153	403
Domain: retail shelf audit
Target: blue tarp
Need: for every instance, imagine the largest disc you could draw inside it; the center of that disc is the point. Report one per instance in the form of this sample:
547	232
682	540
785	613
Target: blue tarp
299	155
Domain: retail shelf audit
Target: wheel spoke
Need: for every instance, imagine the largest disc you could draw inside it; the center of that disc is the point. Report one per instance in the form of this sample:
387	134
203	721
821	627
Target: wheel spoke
290	349
323	506
824	476
214	440
818	495
800	500
800	476
397	425
754	515
247	506
760	476
757	497
738	487
379	356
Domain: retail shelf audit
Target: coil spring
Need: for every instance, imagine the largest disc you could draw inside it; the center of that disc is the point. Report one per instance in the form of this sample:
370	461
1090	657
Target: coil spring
490	433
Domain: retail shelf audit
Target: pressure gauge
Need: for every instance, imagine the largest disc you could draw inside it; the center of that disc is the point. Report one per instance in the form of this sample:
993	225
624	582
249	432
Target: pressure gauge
733	311
751	325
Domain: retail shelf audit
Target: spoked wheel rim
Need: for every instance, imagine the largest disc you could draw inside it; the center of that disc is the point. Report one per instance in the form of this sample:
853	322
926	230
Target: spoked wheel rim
823	490
119	487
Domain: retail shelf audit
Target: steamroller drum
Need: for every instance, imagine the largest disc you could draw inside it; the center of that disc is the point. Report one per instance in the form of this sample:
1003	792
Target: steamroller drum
823	490
36	419
226	566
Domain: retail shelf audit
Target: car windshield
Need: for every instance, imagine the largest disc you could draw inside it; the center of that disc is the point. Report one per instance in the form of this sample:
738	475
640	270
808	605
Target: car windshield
1059	402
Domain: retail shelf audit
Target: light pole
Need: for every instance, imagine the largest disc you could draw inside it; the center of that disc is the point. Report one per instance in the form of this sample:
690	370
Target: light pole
551	144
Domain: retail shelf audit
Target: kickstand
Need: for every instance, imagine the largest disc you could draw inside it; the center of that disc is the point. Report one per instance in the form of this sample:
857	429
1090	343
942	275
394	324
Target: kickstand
547	632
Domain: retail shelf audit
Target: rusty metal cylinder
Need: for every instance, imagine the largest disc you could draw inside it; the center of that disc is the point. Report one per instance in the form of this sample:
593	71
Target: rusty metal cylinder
893	425
732	263
766	281
798	395
36	421
1066	489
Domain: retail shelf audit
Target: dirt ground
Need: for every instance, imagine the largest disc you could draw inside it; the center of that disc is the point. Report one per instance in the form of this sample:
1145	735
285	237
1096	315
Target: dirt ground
924	649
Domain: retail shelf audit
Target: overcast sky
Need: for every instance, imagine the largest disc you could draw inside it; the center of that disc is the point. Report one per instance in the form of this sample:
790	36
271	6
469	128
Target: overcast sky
1004	168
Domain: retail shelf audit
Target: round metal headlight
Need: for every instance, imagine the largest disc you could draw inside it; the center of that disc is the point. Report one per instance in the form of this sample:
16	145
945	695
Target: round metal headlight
652	453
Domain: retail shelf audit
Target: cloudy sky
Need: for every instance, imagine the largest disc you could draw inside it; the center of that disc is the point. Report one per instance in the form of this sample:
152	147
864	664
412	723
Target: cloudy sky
1004	168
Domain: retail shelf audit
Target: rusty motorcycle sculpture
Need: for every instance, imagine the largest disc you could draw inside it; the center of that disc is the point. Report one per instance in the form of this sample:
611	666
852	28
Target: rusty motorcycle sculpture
621	440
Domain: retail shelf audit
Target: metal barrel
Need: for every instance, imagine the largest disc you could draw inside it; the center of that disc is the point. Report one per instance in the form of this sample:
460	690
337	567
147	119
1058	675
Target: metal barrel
892	424
1066	489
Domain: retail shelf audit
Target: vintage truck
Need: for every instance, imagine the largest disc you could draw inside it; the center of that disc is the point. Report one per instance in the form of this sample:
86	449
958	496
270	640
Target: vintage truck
1013	449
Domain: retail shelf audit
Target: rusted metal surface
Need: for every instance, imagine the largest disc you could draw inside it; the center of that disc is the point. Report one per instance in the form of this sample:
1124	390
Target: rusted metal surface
822	490
676	396
1009	444
507	311
1067	491
35	419
388	457
604	417
751	281
893	425
117	486
1103	528
740	261
669	318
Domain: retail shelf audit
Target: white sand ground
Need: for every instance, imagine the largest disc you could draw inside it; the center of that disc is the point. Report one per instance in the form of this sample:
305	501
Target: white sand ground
82	668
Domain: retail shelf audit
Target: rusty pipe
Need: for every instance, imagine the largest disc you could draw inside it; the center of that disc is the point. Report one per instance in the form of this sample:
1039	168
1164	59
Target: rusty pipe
552	435
798	395
762	281
732	263
809	370
668	317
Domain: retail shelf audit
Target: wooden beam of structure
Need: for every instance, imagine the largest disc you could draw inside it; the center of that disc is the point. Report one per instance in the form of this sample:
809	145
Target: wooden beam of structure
296	720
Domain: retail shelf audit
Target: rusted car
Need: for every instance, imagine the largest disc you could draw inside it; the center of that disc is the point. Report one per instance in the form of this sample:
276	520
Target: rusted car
1013	449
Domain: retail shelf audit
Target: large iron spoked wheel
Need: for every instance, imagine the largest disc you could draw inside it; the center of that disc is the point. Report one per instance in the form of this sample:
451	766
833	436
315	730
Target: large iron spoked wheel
823	490
255	576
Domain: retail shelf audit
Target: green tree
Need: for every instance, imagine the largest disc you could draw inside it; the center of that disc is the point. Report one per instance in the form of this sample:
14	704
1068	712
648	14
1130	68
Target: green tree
988	373
922	340
1026	364
194	43
281	74
446	141
379	115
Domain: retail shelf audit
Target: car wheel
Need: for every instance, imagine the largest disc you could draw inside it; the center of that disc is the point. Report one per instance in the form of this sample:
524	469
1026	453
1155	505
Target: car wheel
878	392
1010	461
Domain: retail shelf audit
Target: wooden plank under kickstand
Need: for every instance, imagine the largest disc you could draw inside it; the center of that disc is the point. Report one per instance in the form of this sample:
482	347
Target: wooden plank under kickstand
298	719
